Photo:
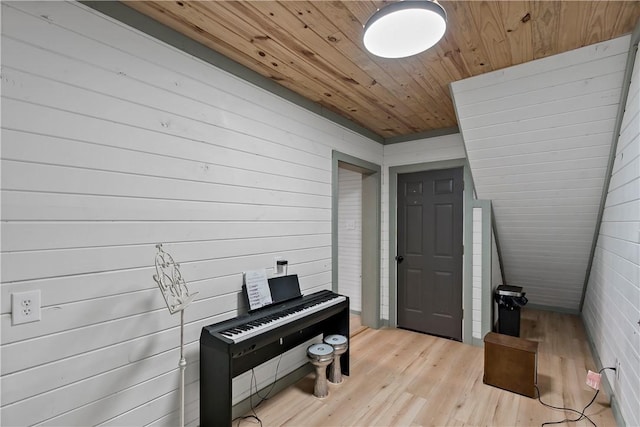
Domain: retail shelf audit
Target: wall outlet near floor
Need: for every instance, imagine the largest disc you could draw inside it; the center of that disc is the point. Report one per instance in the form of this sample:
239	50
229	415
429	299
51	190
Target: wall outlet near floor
617	365
25	307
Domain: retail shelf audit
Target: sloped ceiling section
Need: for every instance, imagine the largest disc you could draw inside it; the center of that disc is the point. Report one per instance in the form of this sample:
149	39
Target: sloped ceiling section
538	137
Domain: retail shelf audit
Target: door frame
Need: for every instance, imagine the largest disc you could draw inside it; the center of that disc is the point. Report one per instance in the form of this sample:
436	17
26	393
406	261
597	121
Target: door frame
467	238
371	233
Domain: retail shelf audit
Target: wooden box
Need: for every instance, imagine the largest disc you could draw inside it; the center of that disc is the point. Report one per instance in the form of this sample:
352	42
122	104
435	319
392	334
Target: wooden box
510	363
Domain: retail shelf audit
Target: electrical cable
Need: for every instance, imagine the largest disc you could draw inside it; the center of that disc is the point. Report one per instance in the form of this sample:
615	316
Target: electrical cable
580	413
254	415
275	378
254	383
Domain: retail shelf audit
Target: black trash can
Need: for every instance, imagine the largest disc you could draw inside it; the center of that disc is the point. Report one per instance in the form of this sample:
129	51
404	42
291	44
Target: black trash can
509	299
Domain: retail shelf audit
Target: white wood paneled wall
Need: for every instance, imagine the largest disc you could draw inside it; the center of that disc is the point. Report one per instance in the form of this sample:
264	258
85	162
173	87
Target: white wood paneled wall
537	137
112	142
611	310
410	153
496	278
476	327
350	237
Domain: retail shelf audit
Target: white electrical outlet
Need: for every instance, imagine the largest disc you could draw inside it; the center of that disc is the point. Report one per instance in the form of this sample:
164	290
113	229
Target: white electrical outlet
25	307
280	267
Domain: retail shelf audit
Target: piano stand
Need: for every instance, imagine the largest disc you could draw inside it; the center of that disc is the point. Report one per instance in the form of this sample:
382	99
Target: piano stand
218	366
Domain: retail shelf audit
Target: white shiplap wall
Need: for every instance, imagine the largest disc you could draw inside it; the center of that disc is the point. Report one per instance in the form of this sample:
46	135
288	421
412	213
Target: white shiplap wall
537	137
112	142
350	237
496	278
611	310
420	151
476	274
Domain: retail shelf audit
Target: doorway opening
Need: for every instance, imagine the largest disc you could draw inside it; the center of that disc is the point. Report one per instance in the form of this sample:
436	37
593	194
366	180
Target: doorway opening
356	235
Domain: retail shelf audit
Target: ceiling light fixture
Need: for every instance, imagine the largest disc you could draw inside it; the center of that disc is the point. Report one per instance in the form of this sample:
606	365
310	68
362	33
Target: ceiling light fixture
405	28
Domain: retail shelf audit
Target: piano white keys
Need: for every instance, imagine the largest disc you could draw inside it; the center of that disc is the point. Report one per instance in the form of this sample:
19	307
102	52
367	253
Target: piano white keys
244	332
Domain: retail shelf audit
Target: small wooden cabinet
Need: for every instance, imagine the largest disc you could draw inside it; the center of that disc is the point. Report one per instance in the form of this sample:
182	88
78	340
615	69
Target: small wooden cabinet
510	363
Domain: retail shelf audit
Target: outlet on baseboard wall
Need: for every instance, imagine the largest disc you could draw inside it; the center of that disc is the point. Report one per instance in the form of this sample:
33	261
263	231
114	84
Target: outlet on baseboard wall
25	307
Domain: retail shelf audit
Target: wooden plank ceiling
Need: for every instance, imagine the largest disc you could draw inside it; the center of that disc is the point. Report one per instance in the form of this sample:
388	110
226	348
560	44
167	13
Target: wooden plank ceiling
315	49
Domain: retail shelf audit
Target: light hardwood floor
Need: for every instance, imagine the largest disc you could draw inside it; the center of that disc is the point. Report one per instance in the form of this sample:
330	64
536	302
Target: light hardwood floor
402	378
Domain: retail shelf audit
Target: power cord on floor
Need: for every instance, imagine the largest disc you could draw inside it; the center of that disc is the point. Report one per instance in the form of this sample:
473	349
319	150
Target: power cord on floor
254	383
273	384
580	413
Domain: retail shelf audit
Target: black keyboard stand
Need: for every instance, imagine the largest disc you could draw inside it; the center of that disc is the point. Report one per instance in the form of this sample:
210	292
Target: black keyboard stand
221	360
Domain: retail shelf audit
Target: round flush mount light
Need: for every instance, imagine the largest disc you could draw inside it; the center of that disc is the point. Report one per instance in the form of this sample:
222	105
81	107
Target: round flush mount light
405	28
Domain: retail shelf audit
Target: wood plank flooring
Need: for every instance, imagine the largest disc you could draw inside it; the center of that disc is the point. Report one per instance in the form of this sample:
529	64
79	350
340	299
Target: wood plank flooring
402	378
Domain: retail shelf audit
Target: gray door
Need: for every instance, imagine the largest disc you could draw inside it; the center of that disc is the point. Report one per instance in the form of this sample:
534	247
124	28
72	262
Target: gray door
429	253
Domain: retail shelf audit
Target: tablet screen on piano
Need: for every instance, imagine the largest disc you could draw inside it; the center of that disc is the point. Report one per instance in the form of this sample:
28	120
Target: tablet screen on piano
284	288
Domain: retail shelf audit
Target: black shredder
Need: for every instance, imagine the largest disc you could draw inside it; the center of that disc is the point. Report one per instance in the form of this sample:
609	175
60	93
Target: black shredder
509	299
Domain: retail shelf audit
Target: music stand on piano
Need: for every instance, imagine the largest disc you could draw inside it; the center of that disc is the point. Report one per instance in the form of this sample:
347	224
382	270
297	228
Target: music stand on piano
177	297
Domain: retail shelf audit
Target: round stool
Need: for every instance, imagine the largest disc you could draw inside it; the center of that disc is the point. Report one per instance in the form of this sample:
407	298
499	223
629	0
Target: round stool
321	356
340	345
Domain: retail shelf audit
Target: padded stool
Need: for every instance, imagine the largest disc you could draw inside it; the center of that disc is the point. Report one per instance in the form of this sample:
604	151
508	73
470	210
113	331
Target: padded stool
320	355
340	345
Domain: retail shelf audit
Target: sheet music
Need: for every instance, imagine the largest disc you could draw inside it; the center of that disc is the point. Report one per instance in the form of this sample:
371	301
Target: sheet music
257	288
